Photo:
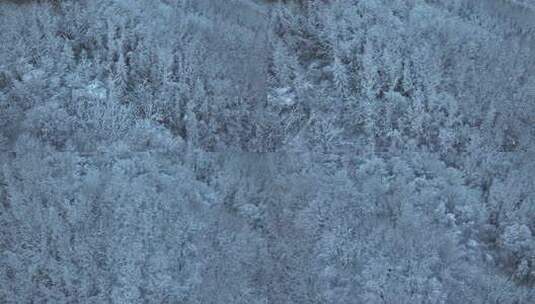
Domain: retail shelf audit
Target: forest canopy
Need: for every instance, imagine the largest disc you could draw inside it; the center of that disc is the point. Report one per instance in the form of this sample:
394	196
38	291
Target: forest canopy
208	151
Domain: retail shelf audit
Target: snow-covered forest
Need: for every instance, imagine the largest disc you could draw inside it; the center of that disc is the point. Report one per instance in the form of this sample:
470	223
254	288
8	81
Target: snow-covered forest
267	152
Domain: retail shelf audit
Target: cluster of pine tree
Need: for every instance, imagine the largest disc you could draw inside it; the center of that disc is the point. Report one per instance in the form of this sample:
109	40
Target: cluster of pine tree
240	151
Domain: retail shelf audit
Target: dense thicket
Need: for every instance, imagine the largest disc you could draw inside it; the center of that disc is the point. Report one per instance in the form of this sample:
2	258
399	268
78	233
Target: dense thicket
207	151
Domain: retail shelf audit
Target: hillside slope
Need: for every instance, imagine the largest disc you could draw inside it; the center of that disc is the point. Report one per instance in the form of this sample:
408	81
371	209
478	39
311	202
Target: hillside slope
208	151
